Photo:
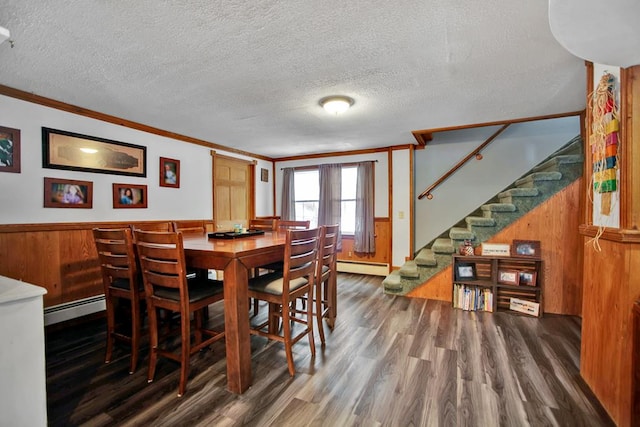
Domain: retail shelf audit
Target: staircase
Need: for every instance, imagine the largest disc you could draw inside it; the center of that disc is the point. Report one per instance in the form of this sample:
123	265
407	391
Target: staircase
543	181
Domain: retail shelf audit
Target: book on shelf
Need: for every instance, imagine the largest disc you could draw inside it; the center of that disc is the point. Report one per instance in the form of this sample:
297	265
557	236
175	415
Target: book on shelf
472	298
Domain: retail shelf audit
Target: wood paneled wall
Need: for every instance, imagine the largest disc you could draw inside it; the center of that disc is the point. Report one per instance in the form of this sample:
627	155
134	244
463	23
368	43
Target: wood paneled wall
59	257
555	224
383	245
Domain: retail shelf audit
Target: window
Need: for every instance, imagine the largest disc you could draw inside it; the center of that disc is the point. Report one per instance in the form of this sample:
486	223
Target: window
307	195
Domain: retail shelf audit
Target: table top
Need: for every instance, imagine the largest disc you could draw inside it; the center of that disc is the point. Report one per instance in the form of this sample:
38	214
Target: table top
234	247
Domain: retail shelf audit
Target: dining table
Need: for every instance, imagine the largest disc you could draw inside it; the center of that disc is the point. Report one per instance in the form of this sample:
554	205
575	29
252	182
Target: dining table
236	256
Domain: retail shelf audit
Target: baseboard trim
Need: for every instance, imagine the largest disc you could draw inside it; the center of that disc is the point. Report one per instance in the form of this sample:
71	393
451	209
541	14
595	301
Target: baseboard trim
71	310
363	268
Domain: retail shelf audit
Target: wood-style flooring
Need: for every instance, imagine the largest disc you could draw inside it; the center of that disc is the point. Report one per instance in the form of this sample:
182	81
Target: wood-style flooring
390	361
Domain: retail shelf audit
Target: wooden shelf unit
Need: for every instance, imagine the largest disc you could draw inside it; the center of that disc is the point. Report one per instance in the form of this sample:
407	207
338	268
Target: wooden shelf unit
487	277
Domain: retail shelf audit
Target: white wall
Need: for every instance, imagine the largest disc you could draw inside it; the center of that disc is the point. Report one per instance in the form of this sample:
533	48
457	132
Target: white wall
514	152
21	195
401	207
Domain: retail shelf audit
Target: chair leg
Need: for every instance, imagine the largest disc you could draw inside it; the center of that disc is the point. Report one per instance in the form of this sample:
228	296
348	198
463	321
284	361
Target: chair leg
318	299
153	342
111	326
135	334
184	352
312	341
286	325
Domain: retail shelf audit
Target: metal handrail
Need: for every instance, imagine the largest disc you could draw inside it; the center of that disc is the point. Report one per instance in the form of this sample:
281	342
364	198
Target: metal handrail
427	193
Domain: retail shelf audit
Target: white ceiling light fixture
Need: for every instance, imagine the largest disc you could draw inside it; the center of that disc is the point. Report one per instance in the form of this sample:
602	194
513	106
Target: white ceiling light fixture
336	104
4	34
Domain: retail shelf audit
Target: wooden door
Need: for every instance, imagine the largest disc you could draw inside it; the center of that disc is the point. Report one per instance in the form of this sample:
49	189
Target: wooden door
233	192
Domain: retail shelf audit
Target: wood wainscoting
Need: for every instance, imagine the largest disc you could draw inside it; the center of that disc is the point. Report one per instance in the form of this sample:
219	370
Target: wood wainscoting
376	263
60	257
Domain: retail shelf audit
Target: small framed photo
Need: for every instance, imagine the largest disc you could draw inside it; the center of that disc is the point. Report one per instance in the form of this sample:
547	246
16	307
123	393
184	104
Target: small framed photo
509	277
67	193
169	172
264	175
9	150
129	196
525	248
465	271
528	278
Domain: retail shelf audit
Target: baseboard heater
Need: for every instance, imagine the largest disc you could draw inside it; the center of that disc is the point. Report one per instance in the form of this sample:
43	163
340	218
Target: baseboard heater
363	268
71	310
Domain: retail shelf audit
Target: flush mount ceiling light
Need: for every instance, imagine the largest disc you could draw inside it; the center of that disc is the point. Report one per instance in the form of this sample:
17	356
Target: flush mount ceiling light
336	104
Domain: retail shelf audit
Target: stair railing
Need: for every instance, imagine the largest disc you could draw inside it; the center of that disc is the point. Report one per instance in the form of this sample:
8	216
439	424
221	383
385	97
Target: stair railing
475	153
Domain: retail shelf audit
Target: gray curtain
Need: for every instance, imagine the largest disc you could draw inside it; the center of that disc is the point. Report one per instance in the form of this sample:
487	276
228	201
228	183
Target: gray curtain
330	203
288	206
364	237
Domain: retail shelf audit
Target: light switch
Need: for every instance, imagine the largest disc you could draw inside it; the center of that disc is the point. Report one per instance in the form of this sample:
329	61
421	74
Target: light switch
401	214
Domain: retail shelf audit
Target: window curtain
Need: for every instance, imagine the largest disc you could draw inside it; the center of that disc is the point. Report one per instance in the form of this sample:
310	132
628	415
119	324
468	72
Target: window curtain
364	237
288	206
330	199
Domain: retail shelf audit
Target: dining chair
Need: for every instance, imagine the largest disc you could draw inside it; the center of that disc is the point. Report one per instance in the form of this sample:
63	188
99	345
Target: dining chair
286	224
279	289
190	226
152	226
121	281
326	292
166	287
265	224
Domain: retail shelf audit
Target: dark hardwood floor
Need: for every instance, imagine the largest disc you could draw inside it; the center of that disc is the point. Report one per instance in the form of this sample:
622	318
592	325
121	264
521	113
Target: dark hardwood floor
390	361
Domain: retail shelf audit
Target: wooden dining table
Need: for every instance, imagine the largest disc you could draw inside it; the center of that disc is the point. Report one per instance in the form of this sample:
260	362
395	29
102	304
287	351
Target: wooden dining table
236	257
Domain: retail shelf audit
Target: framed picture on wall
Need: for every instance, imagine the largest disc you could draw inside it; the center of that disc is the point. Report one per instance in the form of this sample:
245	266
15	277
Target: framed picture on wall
169	172
9	150
129	196
67	193
76	152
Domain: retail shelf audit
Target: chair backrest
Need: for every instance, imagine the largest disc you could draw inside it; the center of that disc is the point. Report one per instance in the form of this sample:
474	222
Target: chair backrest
162	262
117	257
285	224
300	255
195	226
262	224
327	251
152	226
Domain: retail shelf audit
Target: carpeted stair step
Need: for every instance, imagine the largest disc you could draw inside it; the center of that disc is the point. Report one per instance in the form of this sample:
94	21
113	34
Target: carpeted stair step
555	163
533	179
392	282
490	208
425	258
409	270
479	221
513	194
459	233
443	246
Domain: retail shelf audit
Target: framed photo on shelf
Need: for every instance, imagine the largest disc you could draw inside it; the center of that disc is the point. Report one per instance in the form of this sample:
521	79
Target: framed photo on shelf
76	152
465	271
9	150
509	277
129	196
528	278
169	172
67	193
526	248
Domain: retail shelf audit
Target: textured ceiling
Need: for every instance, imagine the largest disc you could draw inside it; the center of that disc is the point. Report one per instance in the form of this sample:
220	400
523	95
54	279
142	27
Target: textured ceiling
249	75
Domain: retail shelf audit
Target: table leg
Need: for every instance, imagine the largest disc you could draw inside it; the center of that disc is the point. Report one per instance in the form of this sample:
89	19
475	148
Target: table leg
236	318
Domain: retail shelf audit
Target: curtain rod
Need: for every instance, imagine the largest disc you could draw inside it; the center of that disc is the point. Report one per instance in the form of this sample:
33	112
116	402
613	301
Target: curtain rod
316	166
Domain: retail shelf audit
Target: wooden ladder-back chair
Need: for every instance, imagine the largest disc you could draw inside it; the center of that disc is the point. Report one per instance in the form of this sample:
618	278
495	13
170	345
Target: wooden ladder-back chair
190	226
281	288
152	226
166	286
122	281
285	224
326	290
263	224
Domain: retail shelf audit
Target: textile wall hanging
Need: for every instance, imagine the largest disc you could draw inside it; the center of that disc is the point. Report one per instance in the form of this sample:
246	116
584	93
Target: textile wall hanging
604	141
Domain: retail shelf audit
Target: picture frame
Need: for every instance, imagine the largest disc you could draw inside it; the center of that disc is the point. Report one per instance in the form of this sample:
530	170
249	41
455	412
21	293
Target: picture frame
465	271
129	196
68	193
509	277
526	248
9	150
264	175
169	172
527	278
73	151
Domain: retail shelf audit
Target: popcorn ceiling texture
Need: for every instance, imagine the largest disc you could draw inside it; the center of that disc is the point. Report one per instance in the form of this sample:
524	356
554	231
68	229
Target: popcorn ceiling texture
249	75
